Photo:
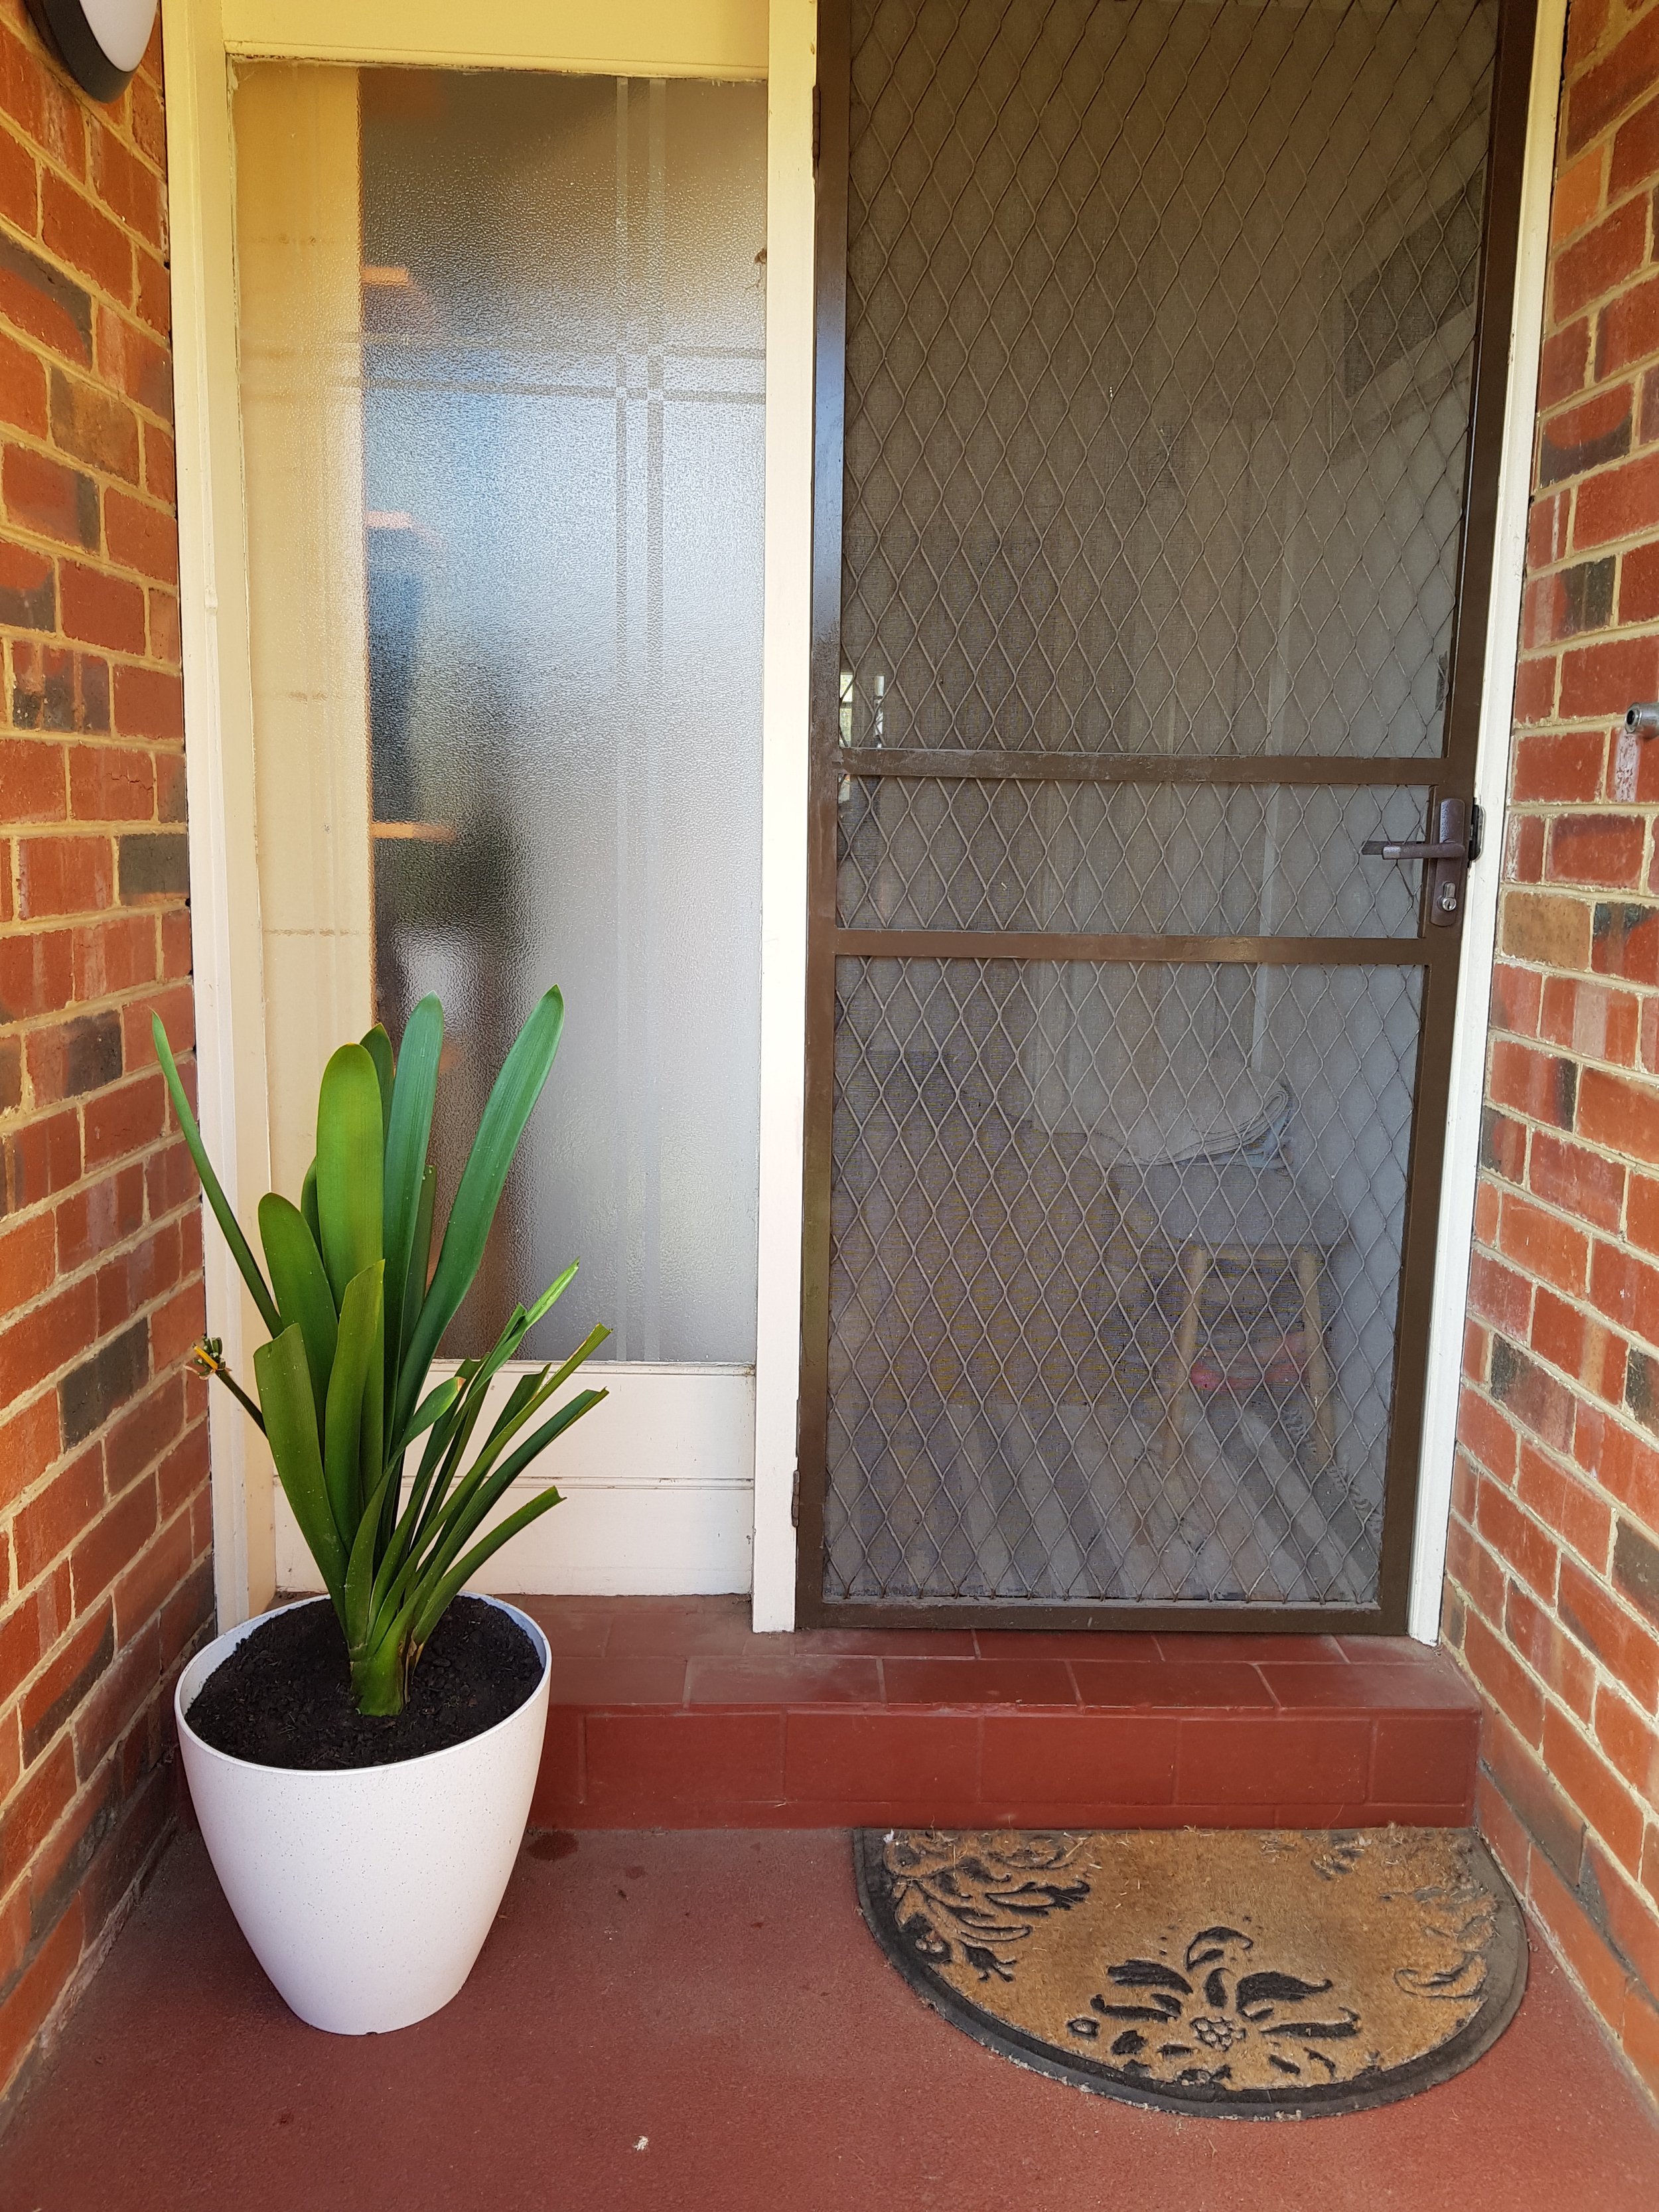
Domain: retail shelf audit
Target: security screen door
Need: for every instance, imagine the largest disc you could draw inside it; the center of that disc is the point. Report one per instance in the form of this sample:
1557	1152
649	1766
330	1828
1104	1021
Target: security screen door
1161	356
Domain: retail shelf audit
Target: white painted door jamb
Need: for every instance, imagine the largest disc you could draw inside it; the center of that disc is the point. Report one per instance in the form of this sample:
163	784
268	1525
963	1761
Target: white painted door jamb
1468	1071
790	214
230	1057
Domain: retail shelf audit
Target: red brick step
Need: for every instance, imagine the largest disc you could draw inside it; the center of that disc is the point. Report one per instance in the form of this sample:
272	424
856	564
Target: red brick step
672	1713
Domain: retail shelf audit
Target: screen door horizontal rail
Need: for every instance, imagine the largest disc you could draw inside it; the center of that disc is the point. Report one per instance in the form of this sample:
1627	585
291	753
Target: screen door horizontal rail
921	762
1164	952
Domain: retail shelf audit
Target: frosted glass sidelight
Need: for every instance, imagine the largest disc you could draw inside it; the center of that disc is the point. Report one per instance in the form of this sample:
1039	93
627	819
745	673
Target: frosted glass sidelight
562	340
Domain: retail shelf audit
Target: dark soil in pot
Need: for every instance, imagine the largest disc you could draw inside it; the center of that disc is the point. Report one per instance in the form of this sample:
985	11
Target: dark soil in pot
283	1696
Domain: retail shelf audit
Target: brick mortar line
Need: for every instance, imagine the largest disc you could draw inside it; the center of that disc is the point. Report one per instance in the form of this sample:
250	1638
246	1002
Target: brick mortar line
1594	386
1593	1146
16	434
1558	1951
1581	640
1580	1728
51	1381
1598	977
1632	632
1618	1239
103	480
1638	894
1575	558
88	1272
1534	1912
167	1141
1637	1434
1631	1875
1599	303
79	1979
77	1619
122	1247
31	1116
1605	1408
26	1027
1562	243
118	656
93	372
1558	1542
59	829
30	926
1591	895
1560	1455
37	825
65	1727
85	1009
1577	1386
1603	1680
69	1454
127	310
1577	1300
26	733
88	374
23	1119
85	1786
52	164
84	189
65	832
1606	727
1604	137
78	1106
189	1423
87	556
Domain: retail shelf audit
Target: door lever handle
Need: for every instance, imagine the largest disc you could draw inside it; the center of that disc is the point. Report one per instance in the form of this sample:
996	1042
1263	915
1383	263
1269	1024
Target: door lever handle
1448	854
1387	848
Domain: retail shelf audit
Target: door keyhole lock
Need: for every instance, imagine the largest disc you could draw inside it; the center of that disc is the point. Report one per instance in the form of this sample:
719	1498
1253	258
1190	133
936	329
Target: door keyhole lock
1458	843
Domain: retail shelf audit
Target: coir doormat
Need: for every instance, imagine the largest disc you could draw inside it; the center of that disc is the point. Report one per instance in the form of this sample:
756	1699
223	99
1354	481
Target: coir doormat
1238	1974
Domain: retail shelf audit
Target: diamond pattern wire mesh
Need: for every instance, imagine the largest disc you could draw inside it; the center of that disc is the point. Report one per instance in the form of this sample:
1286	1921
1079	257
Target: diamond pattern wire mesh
1114	1268
1160	322
1125	859
1160	333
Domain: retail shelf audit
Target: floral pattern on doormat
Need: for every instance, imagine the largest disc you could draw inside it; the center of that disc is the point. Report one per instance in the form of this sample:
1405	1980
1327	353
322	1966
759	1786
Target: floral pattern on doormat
1237	1973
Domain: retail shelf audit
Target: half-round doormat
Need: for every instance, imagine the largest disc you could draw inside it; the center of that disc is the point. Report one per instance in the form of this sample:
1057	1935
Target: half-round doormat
1235	1974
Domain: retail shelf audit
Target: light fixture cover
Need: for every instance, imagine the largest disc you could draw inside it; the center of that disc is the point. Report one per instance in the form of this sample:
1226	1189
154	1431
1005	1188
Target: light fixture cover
100	42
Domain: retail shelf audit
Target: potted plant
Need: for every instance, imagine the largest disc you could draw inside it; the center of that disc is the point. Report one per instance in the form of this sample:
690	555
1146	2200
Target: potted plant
363	1810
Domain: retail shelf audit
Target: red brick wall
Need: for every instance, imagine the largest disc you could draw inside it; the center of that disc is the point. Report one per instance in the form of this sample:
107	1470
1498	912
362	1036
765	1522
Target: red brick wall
1552	1597
103	1512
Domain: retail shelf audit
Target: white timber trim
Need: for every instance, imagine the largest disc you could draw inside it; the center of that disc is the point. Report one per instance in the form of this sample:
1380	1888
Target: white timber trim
654	1489
1469	1072
227	967
790	219
721	38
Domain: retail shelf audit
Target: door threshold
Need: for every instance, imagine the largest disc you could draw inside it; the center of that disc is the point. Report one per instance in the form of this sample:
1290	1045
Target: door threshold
673	1712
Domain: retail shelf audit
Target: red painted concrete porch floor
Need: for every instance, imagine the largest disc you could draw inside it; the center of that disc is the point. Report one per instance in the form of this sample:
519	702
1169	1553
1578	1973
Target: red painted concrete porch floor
670	1712
671	2021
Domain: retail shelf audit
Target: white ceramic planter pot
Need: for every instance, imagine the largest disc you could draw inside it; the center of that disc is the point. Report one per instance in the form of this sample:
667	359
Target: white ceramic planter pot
367	1895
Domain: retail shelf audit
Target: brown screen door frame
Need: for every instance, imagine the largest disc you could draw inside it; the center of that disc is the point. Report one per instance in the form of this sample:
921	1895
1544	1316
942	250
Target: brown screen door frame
1435	951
